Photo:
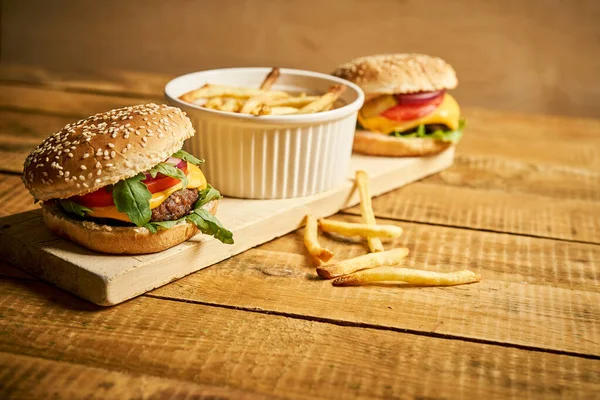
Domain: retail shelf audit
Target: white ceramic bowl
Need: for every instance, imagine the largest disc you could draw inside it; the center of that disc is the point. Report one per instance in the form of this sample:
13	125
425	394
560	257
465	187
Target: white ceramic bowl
270	157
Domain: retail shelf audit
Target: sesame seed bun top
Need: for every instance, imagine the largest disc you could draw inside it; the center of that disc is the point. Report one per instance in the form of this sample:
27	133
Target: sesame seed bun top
398	73
103	149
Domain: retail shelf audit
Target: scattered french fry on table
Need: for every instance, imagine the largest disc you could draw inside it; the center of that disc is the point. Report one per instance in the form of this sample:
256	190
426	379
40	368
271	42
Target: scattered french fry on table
370	260
407	275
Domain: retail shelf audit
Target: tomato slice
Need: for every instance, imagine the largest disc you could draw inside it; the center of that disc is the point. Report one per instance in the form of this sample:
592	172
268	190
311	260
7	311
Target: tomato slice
410	111
103	196
100	198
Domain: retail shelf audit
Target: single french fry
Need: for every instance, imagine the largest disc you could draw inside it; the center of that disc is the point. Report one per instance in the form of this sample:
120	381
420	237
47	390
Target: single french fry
311	240
210	90
411	276
270	79
283	110
231	104
263	109
370	260
366	208
296	102
214	103
256	102
364	230
324	101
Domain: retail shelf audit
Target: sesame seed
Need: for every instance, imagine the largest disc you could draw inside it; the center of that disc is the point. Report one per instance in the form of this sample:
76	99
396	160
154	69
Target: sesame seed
70	155
108	165
81	178
45	173
113	154
85	185
67	173
106	157
97	181
99	172
86	155
111	145
83	167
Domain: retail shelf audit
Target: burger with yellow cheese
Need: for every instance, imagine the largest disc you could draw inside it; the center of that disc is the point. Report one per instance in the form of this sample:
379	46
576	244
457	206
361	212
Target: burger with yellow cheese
118	182
407	111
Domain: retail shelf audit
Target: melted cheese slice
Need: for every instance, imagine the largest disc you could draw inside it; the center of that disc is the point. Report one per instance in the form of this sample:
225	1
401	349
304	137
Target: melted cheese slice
448	113
196	180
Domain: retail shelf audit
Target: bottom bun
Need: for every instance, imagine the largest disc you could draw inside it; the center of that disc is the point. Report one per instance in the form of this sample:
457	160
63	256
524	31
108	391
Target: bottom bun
376	144
117	239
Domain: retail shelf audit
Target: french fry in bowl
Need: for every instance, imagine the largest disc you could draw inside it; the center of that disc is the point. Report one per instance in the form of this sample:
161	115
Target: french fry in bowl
407	275
366	208
283	110
210	90
371	260
296	102
270	79
311	240
325	101
256	102
364	230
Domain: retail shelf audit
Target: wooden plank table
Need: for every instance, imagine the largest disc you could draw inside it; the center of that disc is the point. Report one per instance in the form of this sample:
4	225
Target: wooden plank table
520	206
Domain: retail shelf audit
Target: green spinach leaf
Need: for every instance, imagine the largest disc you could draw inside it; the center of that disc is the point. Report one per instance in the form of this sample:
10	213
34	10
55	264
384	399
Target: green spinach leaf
187	157
74	208
210	225
171	171
207	195
156	225
132	197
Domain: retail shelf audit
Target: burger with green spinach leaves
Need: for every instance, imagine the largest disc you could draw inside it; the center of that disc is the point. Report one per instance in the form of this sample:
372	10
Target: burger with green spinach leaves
118	182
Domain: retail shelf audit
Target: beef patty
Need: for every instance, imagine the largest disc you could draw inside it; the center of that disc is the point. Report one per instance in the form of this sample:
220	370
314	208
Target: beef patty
177	205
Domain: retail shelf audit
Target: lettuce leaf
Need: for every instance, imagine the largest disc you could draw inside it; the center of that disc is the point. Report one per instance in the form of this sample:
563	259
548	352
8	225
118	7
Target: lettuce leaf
187	157
74	208
132	197
210	225
445	135
169	170
207	195
156	225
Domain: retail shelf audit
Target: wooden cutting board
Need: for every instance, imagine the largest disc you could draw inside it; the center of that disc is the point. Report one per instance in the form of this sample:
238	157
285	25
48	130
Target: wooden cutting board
109	279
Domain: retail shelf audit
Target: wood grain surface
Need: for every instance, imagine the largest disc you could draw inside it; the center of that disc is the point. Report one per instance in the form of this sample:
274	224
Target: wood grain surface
24	377
509	55
520	205
291	357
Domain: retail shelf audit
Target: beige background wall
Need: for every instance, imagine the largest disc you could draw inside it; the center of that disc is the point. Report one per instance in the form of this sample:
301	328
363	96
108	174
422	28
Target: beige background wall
530	56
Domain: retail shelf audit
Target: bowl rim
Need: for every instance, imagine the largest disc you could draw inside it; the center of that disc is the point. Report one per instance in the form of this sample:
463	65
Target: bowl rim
323	116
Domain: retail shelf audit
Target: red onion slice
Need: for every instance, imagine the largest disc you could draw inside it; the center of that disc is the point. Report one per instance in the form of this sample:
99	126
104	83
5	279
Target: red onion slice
177	162
418	98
